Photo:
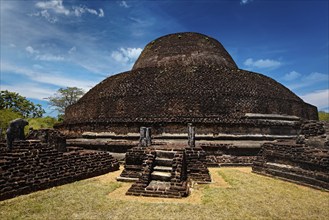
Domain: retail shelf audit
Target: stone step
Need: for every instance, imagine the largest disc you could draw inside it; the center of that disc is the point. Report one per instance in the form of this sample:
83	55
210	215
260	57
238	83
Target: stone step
162	168
162	176
160	161
156	185
165	154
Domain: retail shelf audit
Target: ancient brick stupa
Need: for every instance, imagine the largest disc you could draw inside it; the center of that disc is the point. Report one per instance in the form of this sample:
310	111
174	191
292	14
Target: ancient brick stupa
188	78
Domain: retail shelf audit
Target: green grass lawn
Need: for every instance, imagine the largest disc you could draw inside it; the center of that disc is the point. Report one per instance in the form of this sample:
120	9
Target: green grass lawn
235	194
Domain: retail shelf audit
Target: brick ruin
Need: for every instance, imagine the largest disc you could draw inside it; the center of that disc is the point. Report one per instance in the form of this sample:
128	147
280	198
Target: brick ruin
163	171
36	164
180	79
304	160
239	118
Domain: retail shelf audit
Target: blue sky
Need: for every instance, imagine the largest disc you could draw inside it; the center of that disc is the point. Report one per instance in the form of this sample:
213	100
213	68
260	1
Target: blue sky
47	45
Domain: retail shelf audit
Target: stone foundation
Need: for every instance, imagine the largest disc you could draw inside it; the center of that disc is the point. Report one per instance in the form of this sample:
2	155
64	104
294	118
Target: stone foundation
155	181
229	155
294	162
226	141
164	172
134	163
33	165
196	165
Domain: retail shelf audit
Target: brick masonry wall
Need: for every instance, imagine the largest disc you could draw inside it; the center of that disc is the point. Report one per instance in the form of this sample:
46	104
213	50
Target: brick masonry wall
228	155
204	125
312	128
196	165
178	93
53	138
295	162
32	166
134	162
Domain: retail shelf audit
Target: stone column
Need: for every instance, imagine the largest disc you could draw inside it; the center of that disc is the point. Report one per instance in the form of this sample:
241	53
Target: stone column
142	136
191	135
148	137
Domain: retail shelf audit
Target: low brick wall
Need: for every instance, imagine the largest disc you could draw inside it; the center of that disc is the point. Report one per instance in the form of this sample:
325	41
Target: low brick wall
312	128
196	165
229	155
294	162
33	165
134	162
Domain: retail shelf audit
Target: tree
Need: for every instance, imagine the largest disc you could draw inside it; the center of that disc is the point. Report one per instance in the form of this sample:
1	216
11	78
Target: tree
323	116
7	115
65	97
17	103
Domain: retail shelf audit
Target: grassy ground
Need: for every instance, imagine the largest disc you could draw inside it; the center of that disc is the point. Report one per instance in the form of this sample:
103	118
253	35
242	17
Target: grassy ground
235	194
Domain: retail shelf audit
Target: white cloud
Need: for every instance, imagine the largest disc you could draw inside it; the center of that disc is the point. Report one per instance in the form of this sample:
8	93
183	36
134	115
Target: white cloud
55	5
244	2
319	98
50	9
126	55
46	15
52	78
124	4
37	66
262	64
292	76
101	13
131	53
49	57
43	57
72	50
316	76
119	57
30	50
12	45
30	90
309	80
79	10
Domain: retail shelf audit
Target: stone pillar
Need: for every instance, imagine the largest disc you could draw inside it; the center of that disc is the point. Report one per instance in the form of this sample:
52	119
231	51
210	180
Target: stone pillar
191	135
148	137
142	136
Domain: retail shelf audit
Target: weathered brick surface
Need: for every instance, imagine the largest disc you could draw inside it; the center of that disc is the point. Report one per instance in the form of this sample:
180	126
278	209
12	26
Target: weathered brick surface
195	81
196	165
296	162
227	154
178	187
53	138
312	128
33	165
134	162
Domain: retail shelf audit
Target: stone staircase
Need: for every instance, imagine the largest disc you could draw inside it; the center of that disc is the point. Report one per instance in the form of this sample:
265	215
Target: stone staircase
161	175
164	175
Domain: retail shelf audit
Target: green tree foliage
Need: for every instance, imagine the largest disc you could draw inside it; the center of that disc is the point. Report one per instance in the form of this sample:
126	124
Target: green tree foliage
38	123
323	116
19	104
65	97
7	115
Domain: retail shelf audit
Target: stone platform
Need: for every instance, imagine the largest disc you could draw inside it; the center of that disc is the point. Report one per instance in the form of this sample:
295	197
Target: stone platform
163	171
304	160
